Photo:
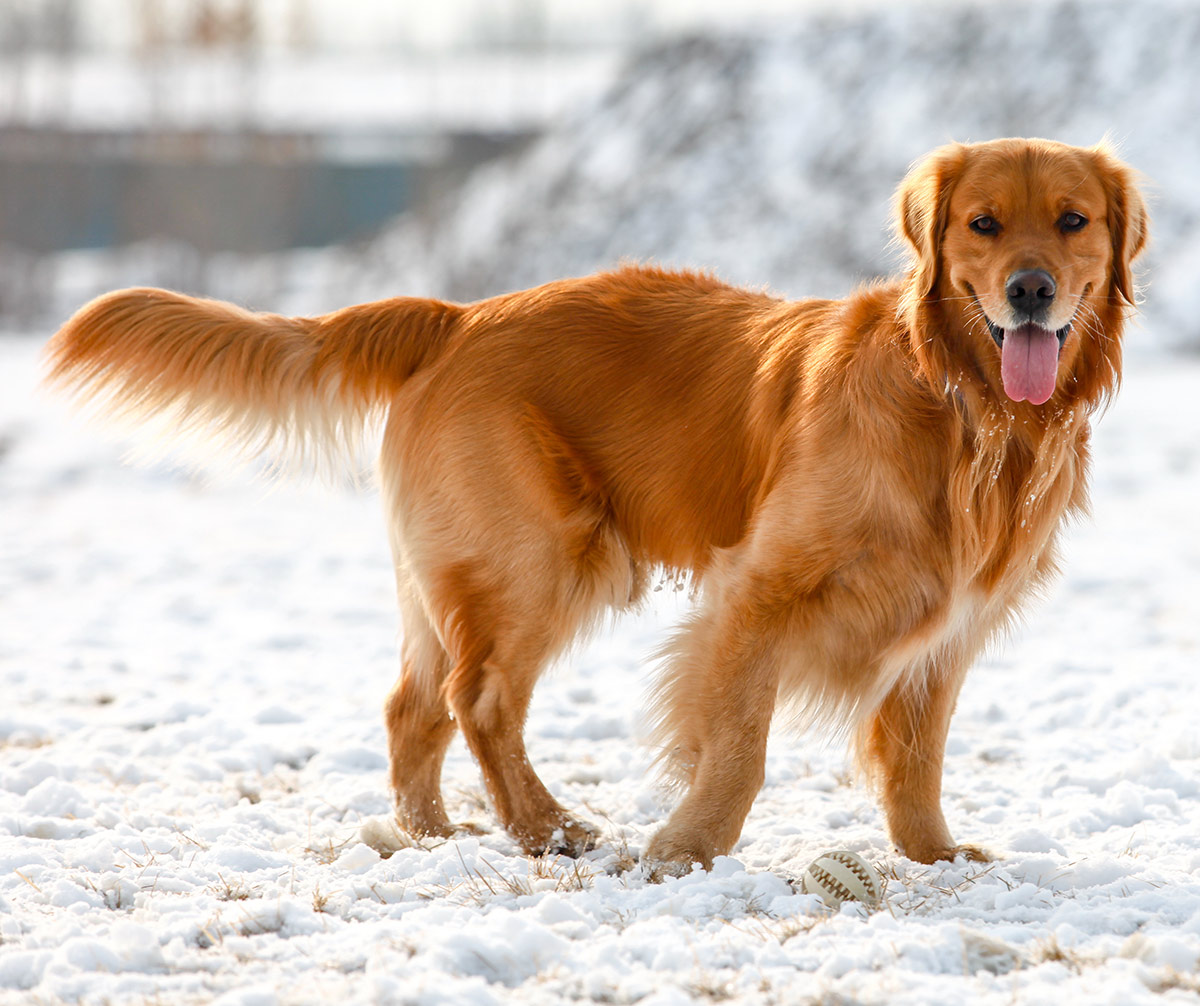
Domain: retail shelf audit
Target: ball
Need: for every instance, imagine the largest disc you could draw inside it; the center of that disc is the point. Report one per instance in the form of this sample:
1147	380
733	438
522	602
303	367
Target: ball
840	876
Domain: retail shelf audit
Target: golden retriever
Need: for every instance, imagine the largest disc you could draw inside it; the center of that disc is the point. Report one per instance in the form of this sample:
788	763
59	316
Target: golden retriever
864	491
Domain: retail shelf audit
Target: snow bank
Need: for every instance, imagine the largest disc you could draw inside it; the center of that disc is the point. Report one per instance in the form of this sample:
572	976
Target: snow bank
773	160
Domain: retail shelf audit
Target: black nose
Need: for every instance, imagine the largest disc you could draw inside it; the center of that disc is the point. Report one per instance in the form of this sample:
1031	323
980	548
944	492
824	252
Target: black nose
1030	291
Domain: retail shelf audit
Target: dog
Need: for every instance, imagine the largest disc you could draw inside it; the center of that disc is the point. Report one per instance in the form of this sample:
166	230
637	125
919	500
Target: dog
864	491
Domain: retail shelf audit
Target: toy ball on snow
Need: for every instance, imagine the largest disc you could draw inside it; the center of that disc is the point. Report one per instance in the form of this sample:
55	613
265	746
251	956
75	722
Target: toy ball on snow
842	876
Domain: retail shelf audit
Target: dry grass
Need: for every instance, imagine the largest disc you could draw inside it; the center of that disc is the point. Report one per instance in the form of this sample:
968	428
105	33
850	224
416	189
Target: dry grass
324	849
233	890
712	989
780	930
1171	979
616	838
925	889
485	883
1049	950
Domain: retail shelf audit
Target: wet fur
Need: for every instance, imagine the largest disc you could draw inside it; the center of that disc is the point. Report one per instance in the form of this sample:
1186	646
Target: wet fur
860	506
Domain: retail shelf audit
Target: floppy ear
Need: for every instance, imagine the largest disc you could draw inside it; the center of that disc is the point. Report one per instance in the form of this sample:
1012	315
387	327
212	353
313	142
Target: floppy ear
1128	222
922	207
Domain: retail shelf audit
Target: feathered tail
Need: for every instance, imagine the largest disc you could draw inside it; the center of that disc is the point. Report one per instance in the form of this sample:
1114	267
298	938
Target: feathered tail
300	388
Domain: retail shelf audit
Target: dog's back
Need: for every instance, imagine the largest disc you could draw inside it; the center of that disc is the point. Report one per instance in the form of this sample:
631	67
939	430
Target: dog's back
663	394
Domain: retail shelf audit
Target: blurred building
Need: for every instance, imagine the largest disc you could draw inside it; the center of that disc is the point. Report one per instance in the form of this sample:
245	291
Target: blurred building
251	126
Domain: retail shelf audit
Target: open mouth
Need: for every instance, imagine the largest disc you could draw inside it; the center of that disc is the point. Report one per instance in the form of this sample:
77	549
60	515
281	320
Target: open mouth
1028	358
997	332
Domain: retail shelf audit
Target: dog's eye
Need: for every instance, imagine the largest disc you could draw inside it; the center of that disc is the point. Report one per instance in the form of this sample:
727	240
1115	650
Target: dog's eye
985	225
1072	221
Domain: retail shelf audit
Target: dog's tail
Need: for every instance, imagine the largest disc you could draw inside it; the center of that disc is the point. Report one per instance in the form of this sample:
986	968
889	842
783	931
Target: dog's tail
301	389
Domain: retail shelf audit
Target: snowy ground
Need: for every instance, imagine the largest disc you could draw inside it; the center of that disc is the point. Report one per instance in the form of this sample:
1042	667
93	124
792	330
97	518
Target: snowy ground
191	744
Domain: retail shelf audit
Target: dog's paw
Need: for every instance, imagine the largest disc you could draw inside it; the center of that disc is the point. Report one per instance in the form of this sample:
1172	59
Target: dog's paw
569	838
461	828
658	870
671	856
971	853
422	819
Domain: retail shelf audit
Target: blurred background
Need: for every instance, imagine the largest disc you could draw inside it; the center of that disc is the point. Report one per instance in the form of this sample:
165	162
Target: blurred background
299	155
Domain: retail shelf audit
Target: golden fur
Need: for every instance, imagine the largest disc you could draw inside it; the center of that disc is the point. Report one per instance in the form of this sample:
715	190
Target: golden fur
859	502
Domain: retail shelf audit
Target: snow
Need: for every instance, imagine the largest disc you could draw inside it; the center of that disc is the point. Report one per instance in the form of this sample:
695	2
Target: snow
193	793
194	806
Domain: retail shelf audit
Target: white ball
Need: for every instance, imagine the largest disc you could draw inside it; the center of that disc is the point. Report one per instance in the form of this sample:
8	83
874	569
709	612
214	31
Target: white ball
840	876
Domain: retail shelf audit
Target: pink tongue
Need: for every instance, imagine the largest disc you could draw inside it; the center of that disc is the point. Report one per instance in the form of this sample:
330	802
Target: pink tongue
1029	363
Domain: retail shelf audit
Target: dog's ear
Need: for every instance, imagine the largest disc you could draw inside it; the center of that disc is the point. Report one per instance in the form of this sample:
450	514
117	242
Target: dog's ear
922	207
1128	222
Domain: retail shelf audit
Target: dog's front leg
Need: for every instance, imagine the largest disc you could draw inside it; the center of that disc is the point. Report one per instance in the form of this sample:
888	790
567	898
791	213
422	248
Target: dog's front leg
902	749
716	705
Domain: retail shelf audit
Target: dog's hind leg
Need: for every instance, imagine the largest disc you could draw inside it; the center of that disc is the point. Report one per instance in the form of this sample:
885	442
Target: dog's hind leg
419	725
504	533
500	646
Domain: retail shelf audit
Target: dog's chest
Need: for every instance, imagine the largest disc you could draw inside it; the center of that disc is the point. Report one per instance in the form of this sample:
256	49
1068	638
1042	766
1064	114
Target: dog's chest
949	631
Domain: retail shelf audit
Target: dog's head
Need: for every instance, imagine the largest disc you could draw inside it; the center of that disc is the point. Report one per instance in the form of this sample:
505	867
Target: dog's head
1023	258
